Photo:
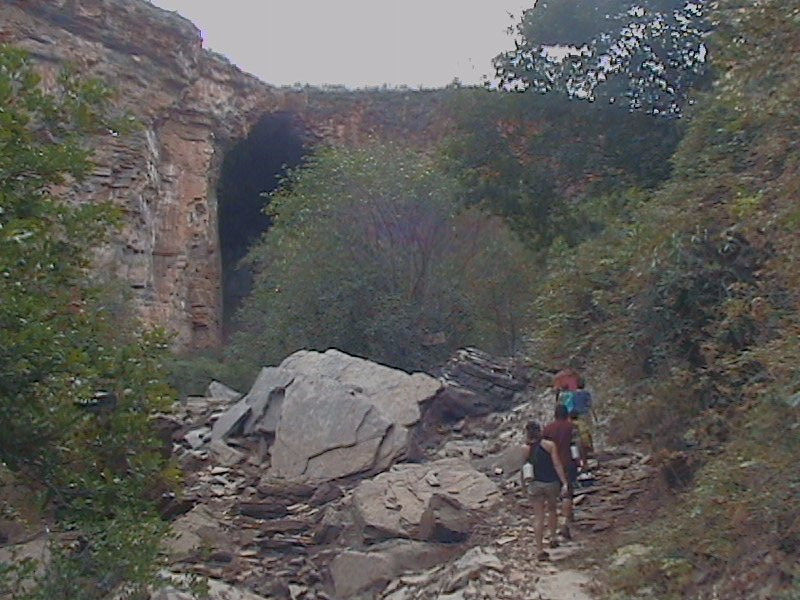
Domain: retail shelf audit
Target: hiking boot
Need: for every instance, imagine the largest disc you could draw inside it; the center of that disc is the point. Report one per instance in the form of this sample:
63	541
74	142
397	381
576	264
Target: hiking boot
554	543
543	556
565	533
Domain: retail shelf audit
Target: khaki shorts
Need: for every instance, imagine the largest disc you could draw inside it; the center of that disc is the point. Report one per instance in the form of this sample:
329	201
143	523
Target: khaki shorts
547	490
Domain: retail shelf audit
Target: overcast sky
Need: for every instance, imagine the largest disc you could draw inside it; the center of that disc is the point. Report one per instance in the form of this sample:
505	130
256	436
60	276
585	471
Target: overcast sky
356	43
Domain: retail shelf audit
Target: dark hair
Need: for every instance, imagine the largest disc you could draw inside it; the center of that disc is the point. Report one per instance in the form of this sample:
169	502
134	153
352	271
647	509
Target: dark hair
561	412
574	414
533	430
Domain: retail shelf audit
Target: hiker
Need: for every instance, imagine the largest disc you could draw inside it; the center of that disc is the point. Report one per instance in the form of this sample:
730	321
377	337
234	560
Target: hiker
579	400
584	441
565	382
543	483
562	432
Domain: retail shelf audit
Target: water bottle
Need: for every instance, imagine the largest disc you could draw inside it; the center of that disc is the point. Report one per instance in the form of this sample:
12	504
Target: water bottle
527	471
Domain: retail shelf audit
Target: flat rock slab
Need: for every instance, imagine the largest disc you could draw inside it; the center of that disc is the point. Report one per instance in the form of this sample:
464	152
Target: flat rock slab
392	504
338	414
220	390
396	394
327	430
262	510
354	571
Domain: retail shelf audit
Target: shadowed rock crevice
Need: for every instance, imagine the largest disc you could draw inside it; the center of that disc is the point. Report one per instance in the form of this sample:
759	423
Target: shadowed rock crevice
253	167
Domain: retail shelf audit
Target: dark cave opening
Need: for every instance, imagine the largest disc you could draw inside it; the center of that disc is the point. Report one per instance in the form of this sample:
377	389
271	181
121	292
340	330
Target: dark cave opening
251	168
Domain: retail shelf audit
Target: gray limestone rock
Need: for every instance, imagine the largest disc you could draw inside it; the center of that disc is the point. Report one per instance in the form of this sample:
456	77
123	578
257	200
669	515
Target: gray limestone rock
220	390
197	438
326	431
353	571
230	422
224	454
473	562
509	461
444	520
265	399
335	415
331	415
392	503
197	529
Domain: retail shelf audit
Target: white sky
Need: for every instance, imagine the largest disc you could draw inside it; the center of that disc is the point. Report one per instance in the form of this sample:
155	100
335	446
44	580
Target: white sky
356	43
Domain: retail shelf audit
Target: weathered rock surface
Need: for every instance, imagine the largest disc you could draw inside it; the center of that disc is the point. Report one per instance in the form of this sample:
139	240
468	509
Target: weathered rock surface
508	462
331	415
455	526
217	389
354	572
478	383
444	520
192	106
197	530
391	505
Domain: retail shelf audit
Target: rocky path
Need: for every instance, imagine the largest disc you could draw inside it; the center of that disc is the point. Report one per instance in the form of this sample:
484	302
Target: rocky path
503	564
454	524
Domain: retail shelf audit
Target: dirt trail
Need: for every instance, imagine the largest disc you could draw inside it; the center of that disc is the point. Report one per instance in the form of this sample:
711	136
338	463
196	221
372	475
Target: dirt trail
571	573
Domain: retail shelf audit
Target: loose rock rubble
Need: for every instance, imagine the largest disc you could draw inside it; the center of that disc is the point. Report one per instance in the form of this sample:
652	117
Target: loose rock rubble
476	384
289	412
298	490
287	489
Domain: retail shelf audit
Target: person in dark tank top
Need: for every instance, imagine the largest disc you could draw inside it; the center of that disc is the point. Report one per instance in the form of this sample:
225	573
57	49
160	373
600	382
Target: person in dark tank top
543	483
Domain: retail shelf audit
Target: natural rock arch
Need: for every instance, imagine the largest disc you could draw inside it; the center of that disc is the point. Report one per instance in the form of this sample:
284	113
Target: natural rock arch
192	107
251	169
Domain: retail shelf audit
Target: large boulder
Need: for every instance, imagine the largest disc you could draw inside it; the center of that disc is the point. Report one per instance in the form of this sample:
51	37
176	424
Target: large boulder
392	504
444	520
331	414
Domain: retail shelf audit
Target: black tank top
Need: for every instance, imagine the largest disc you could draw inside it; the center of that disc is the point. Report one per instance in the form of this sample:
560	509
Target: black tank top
543	468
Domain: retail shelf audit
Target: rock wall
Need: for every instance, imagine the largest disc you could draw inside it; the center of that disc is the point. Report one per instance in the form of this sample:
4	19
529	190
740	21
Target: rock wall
191	105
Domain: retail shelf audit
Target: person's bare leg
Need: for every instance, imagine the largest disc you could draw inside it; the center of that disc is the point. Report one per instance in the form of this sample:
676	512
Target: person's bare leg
552	518
566	509
538	514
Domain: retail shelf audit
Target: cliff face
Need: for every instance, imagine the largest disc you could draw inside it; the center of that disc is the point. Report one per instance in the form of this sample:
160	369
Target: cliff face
192	105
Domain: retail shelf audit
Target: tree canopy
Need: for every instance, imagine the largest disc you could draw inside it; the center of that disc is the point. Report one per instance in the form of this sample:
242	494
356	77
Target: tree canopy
555	169
646	55
371	252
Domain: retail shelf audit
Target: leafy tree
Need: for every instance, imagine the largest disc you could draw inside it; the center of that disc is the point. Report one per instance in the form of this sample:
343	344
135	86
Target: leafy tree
685	312
555	169
646	54
97	460
370	253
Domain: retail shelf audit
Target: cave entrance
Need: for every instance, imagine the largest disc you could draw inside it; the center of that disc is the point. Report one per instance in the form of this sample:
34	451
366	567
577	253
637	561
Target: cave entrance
251	168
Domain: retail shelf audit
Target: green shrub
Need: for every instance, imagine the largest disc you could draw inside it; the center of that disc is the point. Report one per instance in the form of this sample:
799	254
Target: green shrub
97	461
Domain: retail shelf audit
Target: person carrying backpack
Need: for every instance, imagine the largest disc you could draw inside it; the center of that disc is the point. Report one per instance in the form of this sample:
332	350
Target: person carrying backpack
543	476
580	401
585	442
565	382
